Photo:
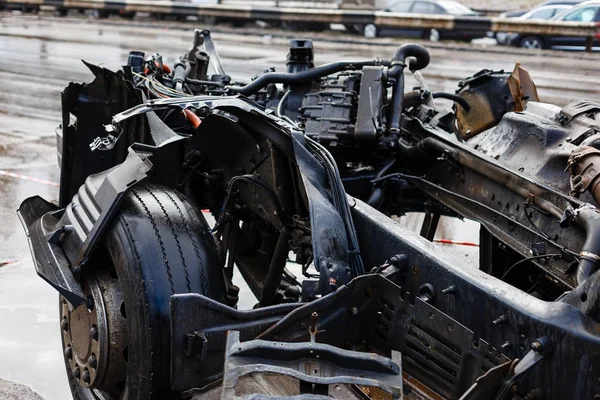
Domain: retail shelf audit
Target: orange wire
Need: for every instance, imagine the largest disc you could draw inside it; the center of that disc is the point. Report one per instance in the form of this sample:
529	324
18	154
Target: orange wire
192	118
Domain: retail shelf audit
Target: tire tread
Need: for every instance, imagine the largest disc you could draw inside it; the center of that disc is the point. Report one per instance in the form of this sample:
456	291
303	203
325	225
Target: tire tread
157	233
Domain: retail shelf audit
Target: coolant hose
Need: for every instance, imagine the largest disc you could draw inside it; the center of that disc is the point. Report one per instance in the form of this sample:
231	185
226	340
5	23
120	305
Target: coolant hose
589	261
396	71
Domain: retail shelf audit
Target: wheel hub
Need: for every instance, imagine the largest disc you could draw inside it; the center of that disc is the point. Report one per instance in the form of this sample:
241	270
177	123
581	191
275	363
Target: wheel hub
95	336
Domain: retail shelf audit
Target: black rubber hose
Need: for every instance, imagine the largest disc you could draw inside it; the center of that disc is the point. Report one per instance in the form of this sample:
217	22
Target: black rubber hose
179	73
396	71
417	51
376	197
303	76
204	83
589	262
273	278
454	97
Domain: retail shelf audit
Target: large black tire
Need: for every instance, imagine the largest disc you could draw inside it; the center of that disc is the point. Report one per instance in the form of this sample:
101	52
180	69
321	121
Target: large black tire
159	244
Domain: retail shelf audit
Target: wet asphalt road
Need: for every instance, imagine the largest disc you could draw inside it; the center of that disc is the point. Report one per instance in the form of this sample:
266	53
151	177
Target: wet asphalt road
40	56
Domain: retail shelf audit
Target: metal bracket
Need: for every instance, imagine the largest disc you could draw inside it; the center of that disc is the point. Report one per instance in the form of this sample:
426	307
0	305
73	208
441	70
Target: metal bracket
199	327
576	108
313	363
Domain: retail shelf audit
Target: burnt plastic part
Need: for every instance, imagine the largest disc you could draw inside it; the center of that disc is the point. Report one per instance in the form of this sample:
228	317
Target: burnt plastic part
420	59
61	239
199	328
488	94
316	365
86	108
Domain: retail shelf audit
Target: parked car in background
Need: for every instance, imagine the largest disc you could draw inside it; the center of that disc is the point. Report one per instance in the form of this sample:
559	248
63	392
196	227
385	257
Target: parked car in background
588	11
519	13
450	7
544	12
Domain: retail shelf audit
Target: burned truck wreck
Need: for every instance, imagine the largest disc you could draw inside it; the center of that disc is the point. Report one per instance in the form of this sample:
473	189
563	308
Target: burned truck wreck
302	171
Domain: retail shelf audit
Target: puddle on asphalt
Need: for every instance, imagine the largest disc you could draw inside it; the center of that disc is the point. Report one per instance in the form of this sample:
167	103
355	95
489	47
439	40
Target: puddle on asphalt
30	346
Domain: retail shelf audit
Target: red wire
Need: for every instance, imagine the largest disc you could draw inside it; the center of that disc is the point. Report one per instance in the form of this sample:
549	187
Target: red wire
448	241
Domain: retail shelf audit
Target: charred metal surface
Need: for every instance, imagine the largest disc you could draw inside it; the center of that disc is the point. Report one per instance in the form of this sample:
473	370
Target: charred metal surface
490	95
199	332
272	160
447	361
584	165
480	300
315	365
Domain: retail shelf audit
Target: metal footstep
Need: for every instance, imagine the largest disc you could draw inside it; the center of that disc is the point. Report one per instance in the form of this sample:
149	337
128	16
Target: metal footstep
315	365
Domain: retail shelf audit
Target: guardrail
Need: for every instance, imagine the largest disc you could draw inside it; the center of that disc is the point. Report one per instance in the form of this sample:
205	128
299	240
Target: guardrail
335	16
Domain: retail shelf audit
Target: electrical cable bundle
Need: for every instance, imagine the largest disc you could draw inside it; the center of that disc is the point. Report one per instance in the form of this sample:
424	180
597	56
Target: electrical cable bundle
340	202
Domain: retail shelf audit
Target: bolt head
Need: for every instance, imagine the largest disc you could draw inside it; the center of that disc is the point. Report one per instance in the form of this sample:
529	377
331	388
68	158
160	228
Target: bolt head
85	376
354	310
92	361
536	346
64	324
94	332
69	352
77	373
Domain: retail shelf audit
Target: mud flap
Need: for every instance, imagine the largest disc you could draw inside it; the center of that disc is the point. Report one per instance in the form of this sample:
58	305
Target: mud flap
61	239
